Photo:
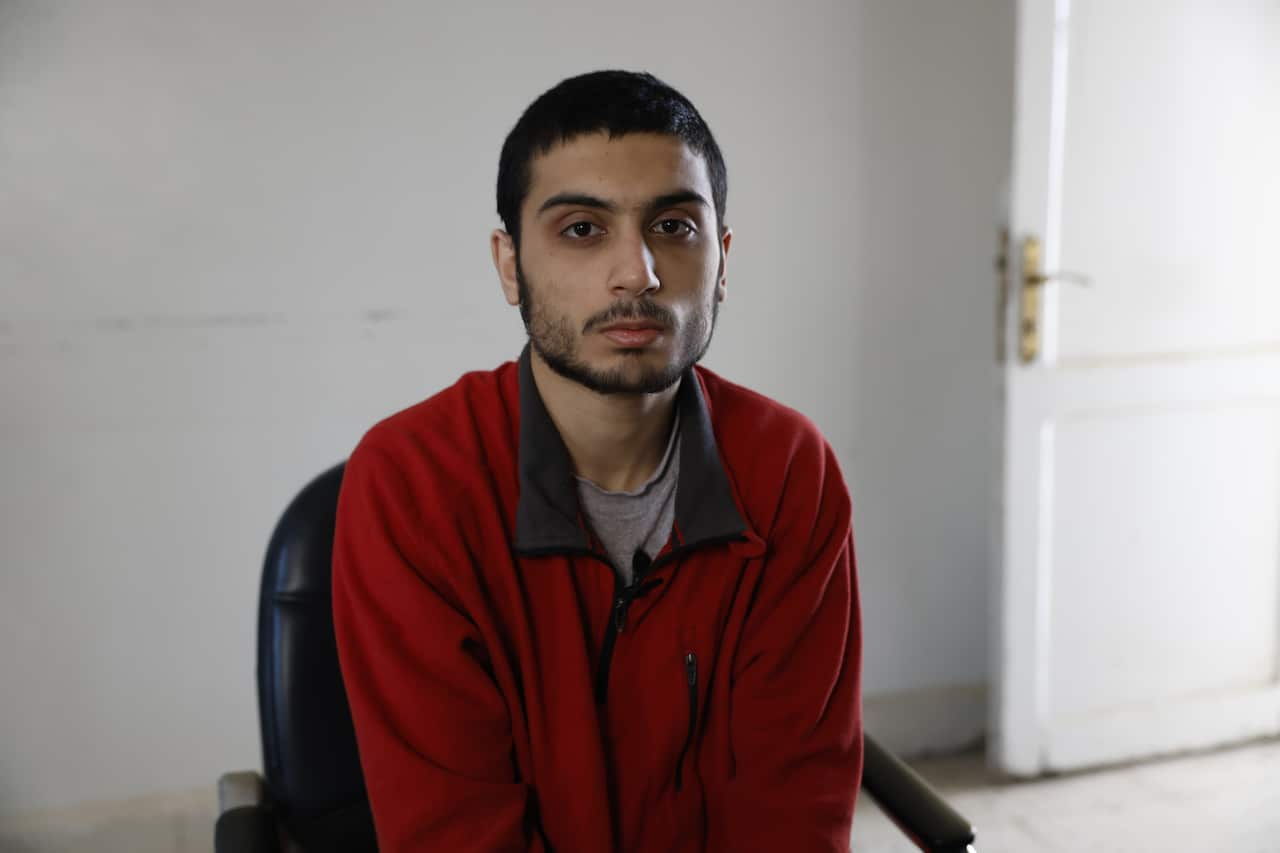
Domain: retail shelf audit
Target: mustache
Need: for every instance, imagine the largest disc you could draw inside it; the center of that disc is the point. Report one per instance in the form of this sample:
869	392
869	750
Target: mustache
642	310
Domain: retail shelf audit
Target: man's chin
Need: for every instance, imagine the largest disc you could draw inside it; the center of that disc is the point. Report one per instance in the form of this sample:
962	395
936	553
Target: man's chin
624	373
629	381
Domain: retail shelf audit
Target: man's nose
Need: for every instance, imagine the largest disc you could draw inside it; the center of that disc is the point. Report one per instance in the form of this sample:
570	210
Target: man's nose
634	271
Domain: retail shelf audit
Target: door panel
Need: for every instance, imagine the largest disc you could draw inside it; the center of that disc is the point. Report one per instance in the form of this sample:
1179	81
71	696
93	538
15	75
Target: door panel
1201	720
1165	523
1170	182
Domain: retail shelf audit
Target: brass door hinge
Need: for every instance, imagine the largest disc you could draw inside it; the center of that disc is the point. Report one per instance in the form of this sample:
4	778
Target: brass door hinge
1002	293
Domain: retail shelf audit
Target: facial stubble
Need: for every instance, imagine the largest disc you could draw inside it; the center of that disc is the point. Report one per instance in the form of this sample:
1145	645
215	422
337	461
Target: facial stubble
556	341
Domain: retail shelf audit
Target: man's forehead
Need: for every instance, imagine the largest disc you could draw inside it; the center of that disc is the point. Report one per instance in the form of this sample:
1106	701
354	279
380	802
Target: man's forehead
631	167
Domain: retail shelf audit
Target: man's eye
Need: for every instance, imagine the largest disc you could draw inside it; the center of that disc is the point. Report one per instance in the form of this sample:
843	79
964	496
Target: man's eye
581	230
673	227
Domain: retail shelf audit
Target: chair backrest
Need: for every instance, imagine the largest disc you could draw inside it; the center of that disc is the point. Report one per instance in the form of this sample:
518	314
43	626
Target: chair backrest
310	762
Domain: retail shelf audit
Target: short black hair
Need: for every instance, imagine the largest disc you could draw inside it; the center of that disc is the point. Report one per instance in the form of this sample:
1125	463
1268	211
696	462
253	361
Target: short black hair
614	102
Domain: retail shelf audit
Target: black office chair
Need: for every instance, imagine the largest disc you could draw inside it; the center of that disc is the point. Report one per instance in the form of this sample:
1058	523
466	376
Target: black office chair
313	799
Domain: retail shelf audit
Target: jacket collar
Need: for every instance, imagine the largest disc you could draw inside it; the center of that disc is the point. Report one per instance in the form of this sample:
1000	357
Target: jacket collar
548	518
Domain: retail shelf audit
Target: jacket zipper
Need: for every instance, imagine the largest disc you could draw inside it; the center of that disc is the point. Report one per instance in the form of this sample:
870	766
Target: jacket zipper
691	676
622	598
616	621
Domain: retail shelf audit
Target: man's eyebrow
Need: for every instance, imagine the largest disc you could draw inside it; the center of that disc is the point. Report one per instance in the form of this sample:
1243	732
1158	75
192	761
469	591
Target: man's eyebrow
678	197
577	200
683	196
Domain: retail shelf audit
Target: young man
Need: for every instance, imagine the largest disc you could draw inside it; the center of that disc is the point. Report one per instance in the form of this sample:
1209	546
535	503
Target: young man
600	599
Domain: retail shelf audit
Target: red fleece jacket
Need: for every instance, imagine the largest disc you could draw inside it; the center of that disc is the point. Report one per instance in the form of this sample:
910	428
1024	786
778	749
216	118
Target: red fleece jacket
509	695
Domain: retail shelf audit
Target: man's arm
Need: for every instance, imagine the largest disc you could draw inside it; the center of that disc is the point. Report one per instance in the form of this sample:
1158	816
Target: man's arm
795	702
432	727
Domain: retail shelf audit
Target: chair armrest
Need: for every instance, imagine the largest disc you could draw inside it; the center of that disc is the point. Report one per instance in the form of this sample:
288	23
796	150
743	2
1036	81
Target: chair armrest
912	804
246	822
243	788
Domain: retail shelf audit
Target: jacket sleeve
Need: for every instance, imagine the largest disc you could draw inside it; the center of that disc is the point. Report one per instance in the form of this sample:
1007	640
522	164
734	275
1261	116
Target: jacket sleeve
795	700
432	726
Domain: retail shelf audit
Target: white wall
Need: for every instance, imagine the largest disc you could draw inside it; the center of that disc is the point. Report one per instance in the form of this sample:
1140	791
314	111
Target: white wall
233	235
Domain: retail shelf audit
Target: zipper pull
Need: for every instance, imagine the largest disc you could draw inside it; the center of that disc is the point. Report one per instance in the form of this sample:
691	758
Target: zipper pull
619	614
691	668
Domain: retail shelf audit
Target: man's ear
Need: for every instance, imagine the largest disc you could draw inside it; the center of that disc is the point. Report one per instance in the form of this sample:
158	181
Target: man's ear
725	240
504	261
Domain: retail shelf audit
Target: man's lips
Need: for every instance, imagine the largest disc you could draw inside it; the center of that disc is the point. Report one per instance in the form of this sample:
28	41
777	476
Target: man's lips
635	326
632	334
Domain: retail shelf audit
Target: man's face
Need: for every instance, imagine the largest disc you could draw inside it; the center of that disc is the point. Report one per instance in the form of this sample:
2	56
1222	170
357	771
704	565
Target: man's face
621	265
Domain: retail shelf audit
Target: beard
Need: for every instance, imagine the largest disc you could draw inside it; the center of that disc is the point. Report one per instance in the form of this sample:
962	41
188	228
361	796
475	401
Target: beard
554	338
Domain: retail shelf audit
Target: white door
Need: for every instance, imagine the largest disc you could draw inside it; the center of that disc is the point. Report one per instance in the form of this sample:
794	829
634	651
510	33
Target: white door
1138	522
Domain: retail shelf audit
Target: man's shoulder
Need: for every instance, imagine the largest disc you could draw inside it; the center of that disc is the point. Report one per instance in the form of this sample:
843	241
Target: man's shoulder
747	419
464	424
772	450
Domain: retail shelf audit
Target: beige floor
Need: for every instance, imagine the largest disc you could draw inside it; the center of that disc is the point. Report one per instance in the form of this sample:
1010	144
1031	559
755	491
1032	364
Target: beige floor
1208	803
1222	801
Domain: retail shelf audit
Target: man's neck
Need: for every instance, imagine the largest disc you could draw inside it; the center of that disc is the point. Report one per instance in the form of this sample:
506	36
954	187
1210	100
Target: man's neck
614	440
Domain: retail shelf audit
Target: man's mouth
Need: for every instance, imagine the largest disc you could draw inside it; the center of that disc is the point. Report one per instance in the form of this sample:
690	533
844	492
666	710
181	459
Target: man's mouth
632	334
633	326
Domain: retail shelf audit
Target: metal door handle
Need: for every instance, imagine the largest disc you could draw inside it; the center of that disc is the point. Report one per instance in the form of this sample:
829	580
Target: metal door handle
1037	279
1032	282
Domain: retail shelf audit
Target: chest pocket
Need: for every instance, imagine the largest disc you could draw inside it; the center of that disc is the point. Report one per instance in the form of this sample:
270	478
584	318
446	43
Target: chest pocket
691	655
685	804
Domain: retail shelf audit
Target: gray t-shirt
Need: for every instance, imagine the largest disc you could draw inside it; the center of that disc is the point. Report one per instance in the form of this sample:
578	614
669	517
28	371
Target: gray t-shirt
638	520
